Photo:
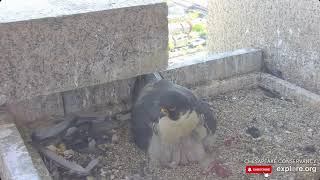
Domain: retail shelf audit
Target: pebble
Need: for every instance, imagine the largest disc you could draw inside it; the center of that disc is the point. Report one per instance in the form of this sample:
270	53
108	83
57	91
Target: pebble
115	139
278	139
254	132
310	133
309	149
103	172
112	176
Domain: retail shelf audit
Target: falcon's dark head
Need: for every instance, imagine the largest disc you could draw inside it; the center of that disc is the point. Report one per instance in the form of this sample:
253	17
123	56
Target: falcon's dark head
174	104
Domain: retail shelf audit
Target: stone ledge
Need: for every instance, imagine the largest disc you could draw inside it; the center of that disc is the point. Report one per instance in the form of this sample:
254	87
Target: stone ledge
54	54
289	90
13	10
113	97
216	87
116	96
15	161
188	71
38	107
195	71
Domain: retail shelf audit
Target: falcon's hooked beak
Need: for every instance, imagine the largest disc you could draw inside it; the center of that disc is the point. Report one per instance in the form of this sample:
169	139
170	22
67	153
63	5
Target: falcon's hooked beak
164	111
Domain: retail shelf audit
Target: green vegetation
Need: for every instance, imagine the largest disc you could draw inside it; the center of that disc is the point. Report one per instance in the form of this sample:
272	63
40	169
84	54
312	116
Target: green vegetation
182	40
200	28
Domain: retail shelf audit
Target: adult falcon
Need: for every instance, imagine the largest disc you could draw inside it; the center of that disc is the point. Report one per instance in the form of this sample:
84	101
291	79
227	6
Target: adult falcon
169	122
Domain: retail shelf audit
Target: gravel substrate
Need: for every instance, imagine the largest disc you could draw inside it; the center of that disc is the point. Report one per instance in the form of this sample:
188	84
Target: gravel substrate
253	126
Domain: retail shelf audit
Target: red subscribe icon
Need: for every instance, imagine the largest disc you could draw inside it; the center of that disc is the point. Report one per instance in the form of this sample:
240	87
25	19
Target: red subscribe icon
258	169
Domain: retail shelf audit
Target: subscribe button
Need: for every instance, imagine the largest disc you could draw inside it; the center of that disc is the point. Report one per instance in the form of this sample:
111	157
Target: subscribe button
258	169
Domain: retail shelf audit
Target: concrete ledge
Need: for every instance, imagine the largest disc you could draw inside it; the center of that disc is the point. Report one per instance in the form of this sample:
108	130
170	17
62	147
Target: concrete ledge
83	44
216	87
114	97
31	109
16	163
196	71
288	90
11	11
190	72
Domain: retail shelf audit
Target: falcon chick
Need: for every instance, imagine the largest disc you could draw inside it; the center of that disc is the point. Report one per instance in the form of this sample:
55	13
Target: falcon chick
169	122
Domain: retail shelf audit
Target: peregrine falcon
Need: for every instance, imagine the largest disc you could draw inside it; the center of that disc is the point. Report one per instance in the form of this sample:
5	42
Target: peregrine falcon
169	122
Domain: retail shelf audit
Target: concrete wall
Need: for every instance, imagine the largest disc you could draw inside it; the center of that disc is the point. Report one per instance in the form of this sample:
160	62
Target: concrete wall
287	30
115	96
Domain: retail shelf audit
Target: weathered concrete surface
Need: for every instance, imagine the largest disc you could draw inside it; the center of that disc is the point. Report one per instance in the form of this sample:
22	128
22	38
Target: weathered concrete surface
196	71
15	161
16	10
216	87
79	44
287	31
288	90
38	107
113	97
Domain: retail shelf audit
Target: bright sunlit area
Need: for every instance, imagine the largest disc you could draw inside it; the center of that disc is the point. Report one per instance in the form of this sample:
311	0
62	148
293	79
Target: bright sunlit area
187	27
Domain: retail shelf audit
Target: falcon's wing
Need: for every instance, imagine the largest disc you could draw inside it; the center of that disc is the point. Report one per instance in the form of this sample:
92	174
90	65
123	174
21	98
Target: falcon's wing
203	109
144	114
146	109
